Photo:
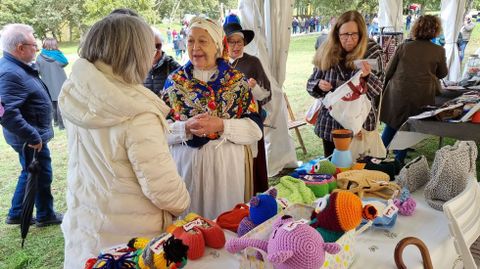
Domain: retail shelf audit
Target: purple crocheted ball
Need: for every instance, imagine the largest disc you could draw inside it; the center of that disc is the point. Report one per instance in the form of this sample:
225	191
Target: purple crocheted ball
300	248
406	208
245	226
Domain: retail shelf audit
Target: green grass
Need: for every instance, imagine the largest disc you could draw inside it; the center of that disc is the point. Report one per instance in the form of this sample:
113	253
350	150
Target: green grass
44	247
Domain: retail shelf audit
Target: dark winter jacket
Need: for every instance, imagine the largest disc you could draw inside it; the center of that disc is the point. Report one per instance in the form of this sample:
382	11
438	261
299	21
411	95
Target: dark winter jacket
159	73
28	106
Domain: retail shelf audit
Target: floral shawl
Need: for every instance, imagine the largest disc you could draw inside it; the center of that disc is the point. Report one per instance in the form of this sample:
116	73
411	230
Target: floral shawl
226	95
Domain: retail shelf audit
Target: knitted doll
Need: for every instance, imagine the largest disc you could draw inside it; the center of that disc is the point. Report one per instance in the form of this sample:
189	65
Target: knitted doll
292	245
344	212
262	207
162	252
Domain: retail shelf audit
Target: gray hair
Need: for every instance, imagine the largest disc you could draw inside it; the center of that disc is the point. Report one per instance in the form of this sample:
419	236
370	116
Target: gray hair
157	33
14	34
124	42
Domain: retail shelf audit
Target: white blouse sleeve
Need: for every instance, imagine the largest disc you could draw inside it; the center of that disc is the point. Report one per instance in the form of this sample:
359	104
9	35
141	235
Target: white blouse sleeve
259	93
241	131
177	133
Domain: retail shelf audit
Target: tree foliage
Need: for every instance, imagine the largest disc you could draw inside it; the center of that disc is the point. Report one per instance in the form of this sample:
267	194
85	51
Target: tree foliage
57	17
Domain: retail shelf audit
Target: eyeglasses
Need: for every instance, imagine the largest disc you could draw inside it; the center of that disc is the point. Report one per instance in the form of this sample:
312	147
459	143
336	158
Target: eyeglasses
345	36
34	45
158	46
234	43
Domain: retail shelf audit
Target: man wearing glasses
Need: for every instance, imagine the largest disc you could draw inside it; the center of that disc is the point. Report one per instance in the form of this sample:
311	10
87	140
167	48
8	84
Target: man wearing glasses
27	121
163	65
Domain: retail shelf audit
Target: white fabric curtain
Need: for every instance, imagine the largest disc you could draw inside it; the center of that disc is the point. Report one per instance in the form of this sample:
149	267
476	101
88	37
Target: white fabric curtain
452	13
390	15
271	21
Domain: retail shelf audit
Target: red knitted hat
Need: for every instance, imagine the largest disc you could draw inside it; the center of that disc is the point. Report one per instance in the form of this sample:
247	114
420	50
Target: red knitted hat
230	220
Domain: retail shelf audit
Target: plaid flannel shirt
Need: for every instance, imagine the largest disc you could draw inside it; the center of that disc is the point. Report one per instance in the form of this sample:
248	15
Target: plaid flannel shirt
339	74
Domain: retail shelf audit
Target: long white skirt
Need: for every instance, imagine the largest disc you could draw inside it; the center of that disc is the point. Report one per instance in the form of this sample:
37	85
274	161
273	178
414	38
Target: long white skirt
215	177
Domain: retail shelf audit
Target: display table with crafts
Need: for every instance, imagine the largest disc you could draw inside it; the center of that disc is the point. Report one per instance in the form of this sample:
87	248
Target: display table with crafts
461	127
375	247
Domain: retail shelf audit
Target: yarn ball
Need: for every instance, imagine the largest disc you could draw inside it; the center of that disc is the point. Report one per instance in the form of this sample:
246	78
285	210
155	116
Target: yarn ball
263	207
406	208
343	212
246	225
325	167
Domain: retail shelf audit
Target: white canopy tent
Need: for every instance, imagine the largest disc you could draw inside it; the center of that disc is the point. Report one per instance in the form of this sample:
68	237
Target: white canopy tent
271	21
452	16
390	15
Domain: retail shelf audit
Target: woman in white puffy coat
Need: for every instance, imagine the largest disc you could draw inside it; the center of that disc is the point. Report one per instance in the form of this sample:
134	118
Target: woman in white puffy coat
122	180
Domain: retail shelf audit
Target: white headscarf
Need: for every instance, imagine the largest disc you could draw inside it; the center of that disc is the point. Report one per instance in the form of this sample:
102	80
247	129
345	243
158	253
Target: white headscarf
213	29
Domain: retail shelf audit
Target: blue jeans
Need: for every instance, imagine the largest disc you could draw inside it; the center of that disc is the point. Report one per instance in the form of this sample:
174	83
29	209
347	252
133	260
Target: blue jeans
387	137
462	47
43	198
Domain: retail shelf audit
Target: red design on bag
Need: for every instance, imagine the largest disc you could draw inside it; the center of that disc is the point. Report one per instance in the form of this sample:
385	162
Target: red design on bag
357	90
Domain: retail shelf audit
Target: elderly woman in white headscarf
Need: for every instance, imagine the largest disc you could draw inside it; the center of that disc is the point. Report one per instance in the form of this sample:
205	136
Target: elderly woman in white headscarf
213	120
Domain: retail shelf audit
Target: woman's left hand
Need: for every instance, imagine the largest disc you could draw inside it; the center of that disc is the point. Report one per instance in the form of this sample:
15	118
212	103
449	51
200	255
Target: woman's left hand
205	124
366	69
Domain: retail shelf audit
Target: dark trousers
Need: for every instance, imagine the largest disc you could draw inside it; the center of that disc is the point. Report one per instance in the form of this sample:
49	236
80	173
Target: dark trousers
43	198
57	116
387	137
328	147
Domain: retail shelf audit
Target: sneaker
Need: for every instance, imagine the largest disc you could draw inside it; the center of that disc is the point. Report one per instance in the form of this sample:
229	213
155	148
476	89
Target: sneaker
16	221
52	220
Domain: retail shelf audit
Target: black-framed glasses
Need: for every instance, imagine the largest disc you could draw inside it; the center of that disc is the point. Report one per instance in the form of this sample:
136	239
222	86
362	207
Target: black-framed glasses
158	46
33	45
352	35
234	43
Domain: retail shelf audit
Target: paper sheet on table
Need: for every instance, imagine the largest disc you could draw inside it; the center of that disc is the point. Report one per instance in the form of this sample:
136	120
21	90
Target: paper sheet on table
373	63
404	140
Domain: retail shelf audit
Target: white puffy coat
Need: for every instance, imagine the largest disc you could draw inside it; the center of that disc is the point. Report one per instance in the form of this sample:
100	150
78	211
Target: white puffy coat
122	181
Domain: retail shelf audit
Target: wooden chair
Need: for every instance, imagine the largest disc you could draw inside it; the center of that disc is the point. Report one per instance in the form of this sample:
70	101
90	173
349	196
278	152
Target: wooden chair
295	124
463	214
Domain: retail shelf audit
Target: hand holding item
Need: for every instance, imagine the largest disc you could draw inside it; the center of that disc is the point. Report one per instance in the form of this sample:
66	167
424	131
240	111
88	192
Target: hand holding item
366	69
204	124
37	147
324	85
252	82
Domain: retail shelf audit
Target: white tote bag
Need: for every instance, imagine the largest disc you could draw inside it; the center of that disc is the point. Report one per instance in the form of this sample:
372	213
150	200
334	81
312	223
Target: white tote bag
370	142
349	104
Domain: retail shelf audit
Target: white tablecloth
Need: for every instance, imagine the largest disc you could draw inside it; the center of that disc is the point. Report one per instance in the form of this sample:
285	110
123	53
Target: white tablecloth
374	248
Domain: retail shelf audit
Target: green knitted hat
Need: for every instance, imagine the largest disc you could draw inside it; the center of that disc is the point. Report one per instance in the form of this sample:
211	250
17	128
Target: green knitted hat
294	190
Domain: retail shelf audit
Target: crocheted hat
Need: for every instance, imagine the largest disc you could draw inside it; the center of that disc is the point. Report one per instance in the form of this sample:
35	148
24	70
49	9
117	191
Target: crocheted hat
344	212
230	220
263	206
294	190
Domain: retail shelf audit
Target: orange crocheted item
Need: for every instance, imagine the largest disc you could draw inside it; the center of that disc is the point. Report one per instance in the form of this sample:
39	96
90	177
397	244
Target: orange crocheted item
349	210
230	220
